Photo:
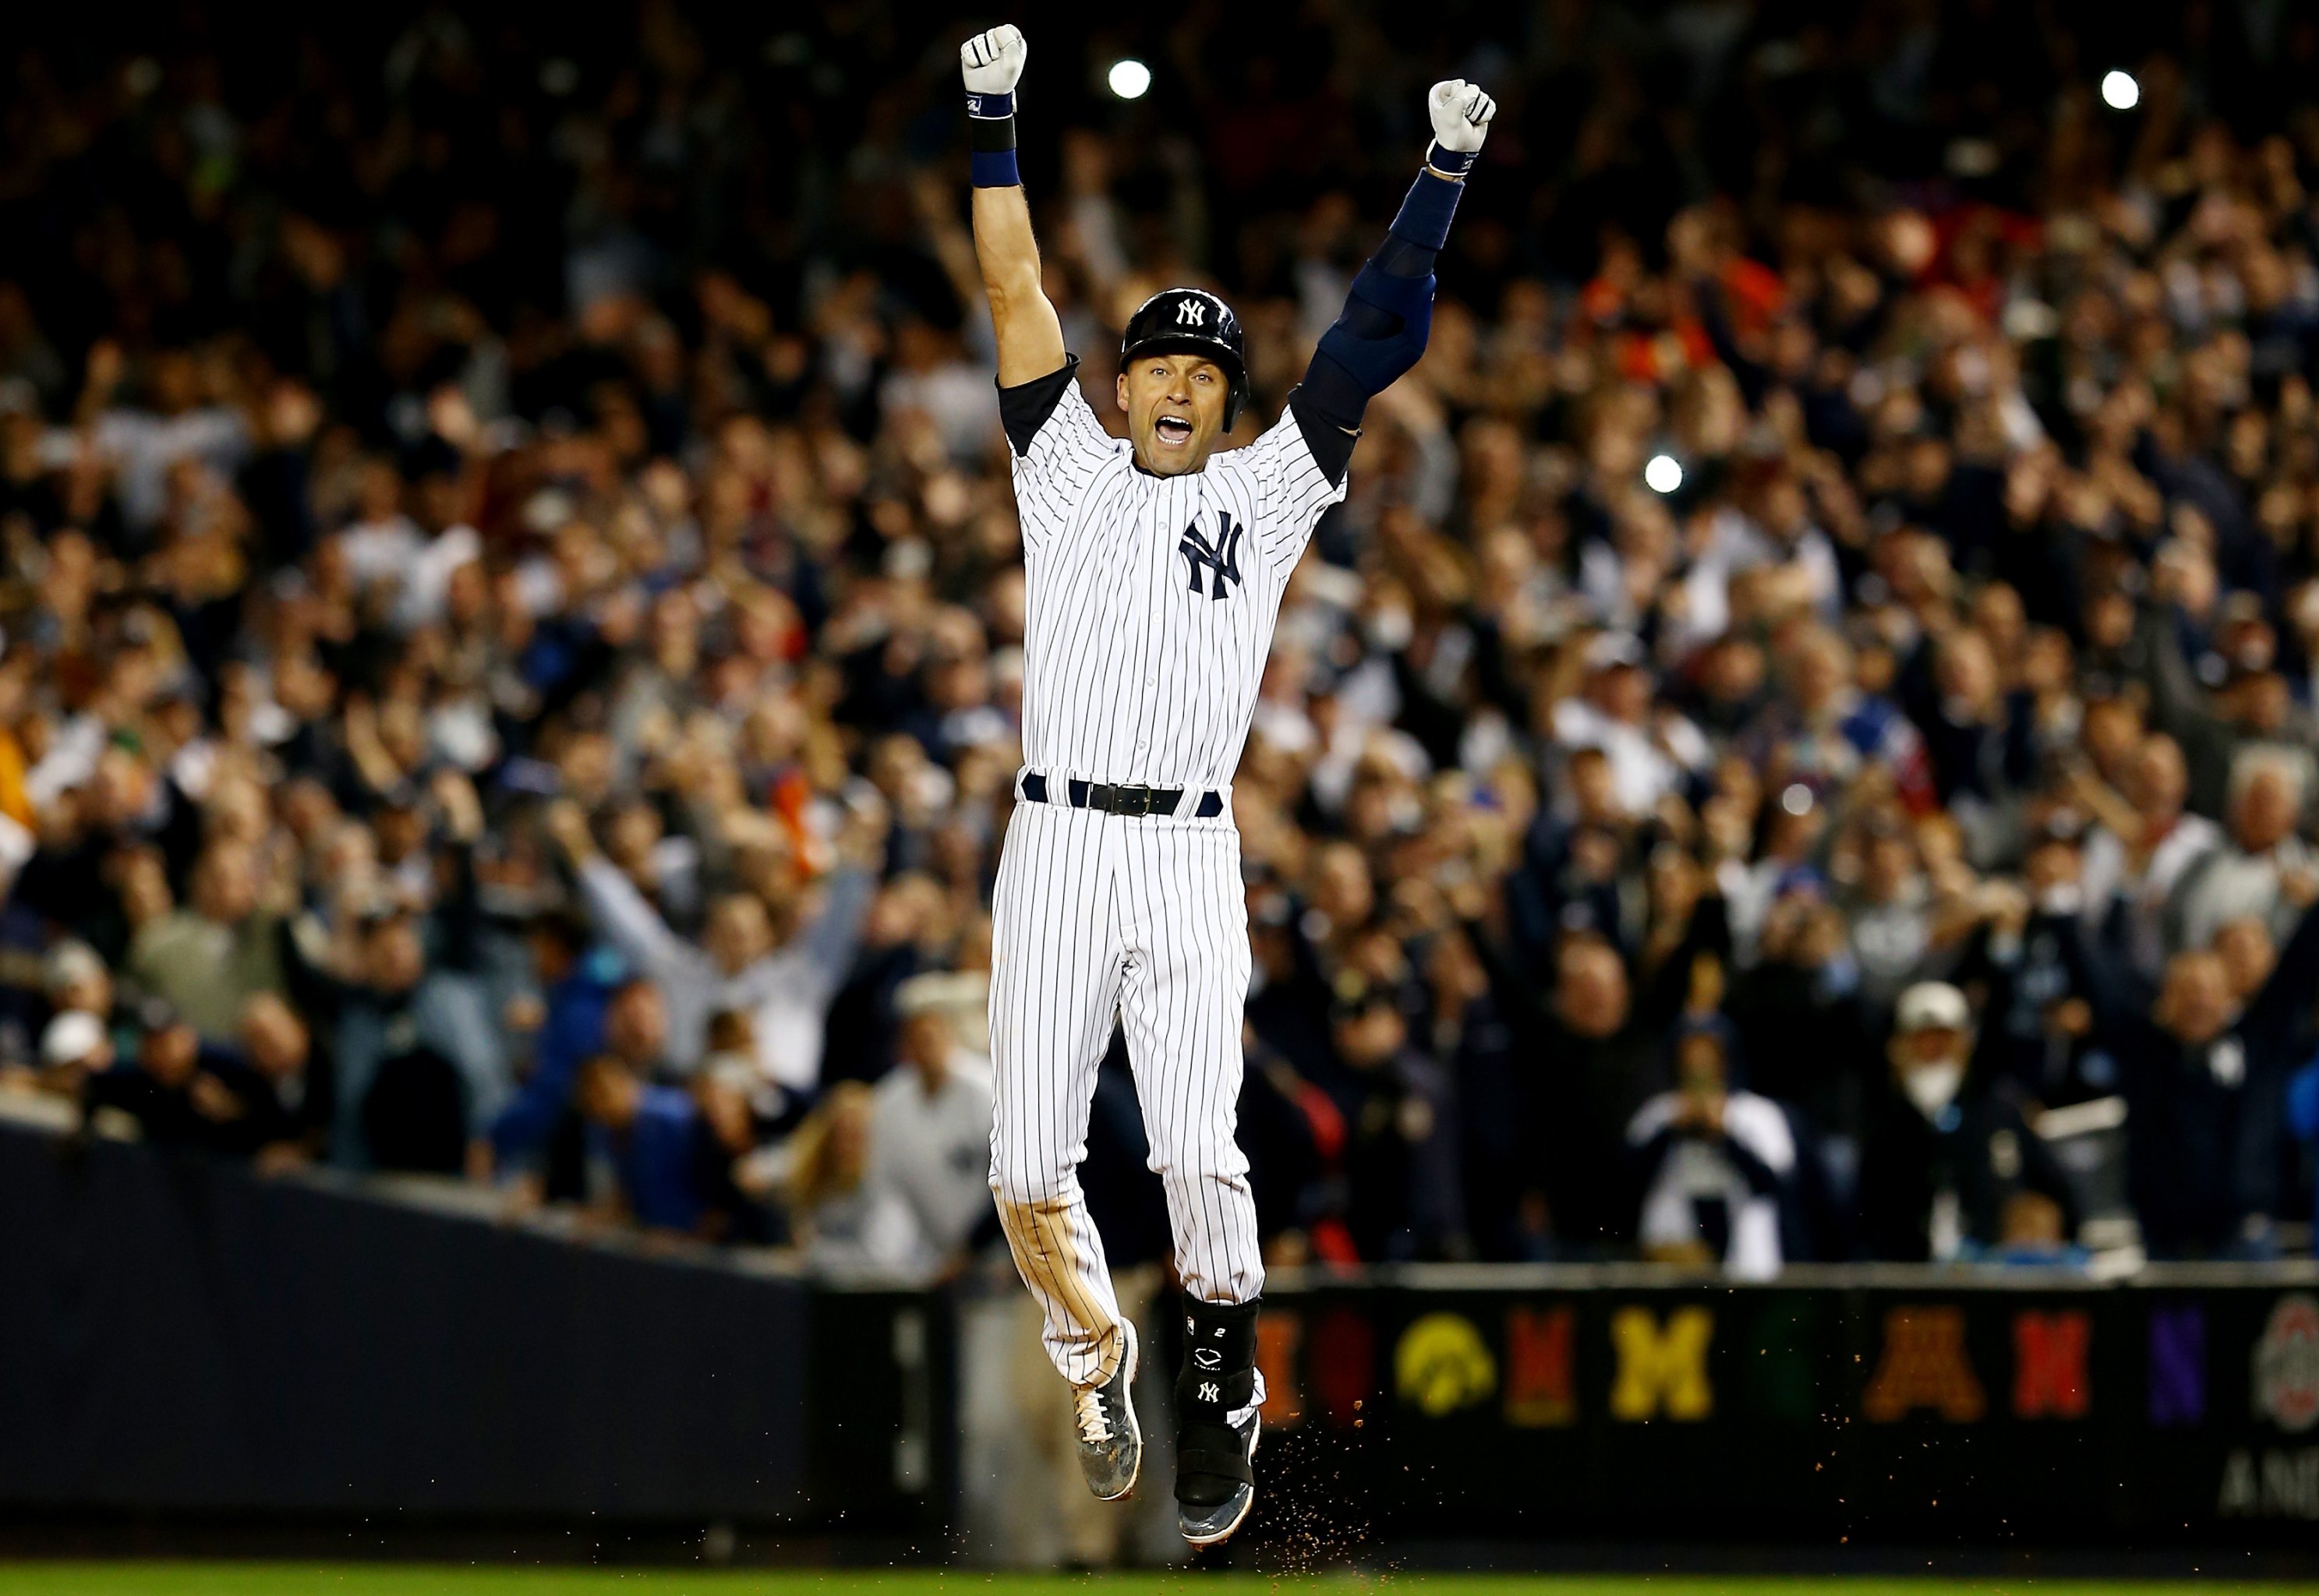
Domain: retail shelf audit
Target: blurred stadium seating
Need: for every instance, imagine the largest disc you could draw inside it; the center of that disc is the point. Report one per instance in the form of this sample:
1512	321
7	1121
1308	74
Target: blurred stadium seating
510	624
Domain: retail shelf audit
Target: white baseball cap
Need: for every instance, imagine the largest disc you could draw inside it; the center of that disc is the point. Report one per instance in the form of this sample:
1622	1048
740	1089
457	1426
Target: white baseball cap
1933	1006
71	1037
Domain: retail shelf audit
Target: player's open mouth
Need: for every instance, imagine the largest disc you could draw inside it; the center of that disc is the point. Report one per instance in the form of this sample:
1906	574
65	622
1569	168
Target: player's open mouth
1173	430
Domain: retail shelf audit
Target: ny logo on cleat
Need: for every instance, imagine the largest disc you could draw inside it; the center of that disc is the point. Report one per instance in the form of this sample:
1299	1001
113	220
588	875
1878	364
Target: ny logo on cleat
1191	312
1208	1391
1220	559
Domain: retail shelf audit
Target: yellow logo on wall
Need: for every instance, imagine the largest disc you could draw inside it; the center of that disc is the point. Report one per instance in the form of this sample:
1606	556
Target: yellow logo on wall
1662	1370
1442	1365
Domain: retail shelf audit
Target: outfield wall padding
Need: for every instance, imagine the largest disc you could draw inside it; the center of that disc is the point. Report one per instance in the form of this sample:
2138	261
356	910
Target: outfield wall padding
183	1336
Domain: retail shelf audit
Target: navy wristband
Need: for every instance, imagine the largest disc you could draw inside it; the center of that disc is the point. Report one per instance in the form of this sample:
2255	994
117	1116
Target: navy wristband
991	138
1450	163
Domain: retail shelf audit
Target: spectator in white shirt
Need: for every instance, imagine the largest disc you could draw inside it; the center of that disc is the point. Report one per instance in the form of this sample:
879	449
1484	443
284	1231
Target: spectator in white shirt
1714	1163
930	1127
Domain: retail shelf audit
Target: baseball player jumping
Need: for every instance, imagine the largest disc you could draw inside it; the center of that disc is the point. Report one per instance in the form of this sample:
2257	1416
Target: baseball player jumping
1155	568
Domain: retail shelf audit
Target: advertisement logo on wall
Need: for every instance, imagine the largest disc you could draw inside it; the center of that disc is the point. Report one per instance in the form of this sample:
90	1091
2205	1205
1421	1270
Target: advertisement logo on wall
2286	1366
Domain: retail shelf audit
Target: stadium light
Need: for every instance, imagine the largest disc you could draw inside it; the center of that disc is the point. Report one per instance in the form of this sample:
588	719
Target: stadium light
2120	92
1130	79
1662	474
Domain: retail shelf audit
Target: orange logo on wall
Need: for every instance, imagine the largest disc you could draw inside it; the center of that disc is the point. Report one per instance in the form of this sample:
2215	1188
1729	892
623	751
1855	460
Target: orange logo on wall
1277	1334
1538	1366
1923	1365
2049	1365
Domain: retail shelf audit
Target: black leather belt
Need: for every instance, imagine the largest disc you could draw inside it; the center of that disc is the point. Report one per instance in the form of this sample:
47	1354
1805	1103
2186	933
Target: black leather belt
1122	800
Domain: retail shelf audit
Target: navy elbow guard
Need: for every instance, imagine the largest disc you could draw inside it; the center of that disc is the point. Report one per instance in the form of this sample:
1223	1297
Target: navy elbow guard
1383	329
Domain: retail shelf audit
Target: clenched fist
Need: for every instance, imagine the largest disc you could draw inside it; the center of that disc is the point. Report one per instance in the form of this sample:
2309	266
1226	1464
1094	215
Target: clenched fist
992	62
1461	113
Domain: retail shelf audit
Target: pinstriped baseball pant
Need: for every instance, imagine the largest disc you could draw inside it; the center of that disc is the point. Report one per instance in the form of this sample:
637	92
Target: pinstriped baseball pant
1141	919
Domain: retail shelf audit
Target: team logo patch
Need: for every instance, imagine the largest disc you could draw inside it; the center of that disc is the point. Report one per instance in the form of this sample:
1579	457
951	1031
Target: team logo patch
2286	1365
1191	312
1220	559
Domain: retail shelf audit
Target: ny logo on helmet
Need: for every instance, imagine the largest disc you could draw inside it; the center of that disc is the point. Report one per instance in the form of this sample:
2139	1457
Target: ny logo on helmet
1220	559
1191	312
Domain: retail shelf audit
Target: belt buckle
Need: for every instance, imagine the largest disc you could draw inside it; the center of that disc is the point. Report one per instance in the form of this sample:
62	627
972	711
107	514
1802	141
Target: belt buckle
1131	800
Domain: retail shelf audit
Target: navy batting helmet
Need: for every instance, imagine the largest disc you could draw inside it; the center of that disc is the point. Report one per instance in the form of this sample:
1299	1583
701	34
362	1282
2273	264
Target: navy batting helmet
1192	322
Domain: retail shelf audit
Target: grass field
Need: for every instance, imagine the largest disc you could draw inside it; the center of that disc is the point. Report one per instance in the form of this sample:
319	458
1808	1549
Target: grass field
290	1579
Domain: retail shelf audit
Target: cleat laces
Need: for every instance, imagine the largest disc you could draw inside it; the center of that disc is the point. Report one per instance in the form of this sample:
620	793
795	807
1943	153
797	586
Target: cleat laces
1094	1424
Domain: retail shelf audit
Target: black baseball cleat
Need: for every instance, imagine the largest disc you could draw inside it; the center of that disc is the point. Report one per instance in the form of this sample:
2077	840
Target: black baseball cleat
1209	1506
1215	1456
1111	1441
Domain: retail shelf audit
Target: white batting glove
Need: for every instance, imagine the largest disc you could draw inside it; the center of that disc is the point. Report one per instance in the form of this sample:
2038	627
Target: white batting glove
1461	116
992	62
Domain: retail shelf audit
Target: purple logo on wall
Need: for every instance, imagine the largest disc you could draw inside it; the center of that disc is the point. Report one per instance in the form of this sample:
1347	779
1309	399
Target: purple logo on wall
2178	1366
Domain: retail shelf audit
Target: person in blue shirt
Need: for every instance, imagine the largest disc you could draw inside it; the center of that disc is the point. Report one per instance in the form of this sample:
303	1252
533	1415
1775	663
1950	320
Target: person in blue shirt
2303	1116
577	980
654	1141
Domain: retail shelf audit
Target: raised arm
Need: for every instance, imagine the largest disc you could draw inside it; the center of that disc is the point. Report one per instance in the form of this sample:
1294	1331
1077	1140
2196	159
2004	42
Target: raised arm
1029	334
1382	330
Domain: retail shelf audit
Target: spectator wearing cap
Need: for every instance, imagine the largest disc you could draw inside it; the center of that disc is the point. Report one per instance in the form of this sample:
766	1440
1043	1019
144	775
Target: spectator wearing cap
930	1118
1403	1197
73	1046
1712	1163
175	1089
1945	1150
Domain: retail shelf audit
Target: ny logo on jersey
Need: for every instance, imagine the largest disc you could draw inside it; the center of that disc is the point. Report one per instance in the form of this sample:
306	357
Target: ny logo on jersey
1191	312
1220	559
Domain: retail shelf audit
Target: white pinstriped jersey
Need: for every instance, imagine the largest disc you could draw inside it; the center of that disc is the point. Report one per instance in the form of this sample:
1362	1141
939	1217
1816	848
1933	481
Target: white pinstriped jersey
1152	600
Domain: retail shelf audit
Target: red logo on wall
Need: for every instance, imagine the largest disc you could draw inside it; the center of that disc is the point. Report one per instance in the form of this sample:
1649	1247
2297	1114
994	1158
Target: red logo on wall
2049	1365
1538	1366
1343	1361
2286	1365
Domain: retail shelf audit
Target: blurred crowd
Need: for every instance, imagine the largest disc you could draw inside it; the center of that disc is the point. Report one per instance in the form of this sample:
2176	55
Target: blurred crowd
1798	745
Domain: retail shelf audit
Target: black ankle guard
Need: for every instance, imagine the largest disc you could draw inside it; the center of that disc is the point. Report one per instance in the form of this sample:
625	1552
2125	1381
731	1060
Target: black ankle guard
1218	1379
1219	1374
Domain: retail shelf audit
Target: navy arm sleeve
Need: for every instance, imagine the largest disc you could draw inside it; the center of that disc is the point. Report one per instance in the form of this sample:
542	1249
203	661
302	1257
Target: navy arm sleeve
1381	330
